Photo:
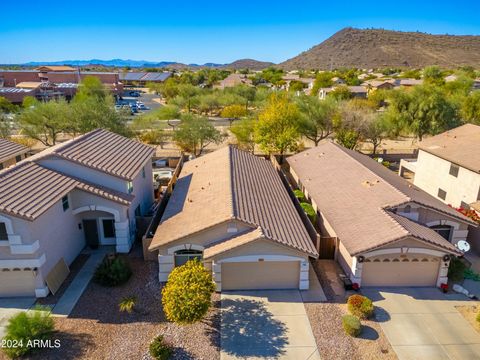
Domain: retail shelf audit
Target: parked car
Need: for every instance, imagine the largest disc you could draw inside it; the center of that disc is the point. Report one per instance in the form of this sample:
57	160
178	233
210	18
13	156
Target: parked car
134	108
134	93
143	107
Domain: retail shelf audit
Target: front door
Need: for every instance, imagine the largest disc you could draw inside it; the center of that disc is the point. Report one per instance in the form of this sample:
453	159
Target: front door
90	228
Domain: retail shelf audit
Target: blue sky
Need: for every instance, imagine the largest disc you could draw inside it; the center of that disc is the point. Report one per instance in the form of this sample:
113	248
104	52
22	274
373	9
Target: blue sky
208	31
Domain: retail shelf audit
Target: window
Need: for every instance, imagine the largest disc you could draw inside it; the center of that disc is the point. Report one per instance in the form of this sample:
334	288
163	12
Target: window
143	172
182	256
108	228
18	158
443	230
65	204
130	187
407	209
3	232
442	194
453	170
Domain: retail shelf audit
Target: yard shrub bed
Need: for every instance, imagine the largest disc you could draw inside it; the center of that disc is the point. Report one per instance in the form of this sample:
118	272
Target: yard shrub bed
159	349
112	271
351	325
24	328
360	306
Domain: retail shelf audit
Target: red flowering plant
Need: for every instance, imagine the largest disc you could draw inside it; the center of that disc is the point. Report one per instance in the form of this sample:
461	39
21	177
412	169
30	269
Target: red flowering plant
472	214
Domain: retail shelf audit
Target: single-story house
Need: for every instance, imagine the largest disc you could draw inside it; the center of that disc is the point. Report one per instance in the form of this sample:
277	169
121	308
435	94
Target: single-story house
86	191
386	232
11	153
231	210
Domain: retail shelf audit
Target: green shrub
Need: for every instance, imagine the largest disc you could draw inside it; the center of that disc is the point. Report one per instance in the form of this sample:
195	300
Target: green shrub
310	211
386	163
112	271
456	270
360	306
187	295
471	274
351	325
160	350
25	327
299	195
127	304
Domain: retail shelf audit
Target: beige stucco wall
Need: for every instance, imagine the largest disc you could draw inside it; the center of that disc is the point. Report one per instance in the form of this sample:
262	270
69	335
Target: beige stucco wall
205	237
432	173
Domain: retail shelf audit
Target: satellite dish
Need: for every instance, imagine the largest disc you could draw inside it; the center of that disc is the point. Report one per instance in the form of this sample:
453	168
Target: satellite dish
463	246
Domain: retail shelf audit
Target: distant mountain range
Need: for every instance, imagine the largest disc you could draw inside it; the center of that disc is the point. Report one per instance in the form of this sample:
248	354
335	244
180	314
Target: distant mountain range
349	47
377	48
239	64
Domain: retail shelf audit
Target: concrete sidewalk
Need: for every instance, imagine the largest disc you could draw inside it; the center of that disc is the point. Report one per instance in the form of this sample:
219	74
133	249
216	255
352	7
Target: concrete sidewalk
73	293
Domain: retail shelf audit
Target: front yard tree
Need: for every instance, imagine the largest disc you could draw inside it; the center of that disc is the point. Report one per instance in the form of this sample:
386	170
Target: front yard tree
195	133
187	296
318	117
277	129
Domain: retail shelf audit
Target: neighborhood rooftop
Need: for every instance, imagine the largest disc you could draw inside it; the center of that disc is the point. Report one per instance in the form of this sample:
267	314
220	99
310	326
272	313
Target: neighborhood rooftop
105	151
348	185
459	145
18	183
231	184
9	149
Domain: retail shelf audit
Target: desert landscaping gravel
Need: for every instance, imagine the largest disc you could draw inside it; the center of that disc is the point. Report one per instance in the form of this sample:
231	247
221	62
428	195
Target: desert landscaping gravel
326	322
96	329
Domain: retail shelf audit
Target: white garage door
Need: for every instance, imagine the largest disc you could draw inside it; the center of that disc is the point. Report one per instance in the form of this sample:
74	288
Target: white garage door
411	270
17	283
260	275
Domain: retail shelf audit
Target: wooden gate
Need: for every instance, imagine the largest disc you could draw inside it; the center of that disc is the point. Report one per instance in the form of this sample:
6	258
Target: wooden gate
327	247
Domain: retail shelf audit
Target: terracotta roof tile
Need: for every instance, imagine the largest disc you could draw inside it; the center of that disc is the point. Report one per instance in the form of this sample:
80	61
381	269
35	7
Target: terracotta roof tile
232	243
27	190
232	184
9	149
353	191
460	146
105	151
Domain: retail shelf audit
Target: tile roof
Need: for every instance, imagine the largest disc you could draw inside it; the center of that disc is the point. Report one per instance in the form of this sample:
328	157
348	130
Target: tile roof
17	184
422	232
9	149
232	243
353	191
460	146
232	184
104	151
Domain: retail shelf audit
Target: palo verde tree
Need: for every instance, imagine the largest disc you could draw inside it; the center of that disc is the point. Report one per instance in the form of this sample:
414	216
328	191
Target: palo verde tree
243	130
195	133
187	296
277	128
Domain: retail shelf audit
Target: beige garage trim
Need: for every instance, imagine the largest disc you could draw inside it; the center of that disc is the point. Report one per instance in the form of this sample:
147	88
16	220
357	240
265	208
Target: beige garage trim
260	275
409	270
17	283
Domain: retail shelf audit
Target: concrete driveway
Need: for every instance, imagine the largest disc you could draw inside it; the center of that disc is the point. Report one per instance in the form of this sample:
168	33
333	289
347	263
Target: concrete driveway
11	306
422	323
266	324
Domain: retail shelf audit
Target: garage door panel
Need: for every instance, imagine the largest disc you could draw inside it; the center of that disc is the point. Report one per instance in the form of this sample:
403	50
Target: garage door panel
260	275
17	283
410	271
